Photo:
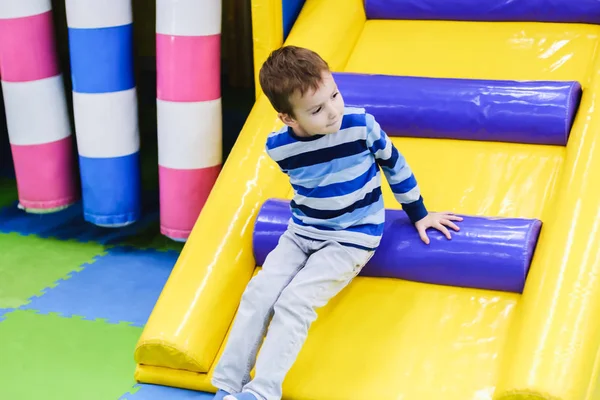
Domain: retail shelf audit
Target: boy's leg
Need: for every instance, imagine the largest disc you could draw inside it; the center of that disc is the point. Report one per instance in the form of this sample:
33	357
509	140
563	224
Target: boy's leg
326	273
256	307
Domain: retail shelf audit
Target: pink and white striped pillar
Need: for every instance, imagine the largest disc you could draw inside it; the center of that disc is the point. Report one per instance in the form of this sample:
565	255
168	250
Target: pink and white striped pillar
35	105
188	47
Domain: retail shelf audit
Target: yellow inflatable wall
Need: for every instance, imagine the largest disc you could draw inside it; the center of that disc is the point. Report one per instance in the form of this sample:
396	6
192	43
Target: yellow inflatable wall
388	338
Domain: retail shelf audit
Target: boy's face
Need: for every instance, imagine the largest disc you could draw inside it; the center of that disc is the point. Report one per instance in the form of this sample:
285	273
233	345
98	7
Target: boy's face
318	112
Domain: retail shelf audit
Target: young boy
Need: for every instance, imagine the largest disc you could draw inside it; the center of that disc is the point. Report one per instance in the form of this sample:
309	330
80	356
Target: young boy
332	155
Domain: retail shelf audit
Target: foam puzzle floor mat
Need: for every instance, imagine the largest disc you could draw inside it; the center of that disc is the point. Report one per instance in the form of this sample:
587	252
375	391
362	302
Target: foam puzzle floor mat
62	357
154	392
121	286
28	265
74	299
8	192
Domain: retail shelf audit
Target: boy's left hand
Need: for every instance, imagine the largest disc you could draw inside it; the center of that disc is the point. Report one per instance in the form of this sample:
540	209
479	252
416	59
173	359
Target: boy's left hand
438	221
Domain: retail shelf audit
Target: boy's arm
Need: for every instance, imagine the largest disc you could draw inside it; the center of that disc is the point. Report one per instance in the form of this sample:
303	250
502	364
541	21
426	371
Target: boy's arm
397	172
268	151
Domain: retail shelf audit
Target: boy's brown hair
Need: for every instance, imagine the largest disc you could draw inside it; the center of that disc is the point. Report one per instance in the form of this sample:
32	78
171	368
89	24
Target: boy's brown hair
287	70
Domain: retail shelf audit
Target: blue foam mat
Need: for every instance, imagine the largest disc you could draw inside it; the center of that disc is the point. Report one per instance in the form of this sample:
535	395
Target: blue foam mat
121	286
155	392
69	224
3	312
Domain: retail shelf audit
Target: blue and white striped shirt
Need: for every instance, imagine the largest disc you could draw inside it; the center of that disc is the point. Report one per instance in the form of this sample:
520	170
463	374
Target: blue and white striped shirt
337	181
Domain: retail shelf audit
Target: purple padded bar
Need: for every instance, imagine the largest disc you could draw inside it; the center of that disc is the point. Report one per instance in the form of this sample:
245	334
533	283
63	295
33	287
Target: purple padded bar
487	253
535	112
570	11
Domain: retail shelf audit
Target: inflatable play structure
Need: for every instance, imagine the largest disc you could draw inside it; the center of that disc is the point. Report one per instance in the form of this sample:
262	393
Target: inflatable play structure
494	103
105	108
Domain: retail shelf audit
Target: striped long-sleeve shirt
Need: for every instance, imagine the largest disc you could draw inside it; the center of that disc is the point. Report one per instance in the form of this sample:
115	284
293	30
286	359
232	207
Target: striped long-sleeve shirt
337	181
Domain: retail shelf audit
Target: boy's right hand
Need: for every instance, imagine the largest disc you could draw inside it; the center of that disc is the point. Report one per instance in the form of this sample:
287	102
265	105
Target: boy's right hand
438	221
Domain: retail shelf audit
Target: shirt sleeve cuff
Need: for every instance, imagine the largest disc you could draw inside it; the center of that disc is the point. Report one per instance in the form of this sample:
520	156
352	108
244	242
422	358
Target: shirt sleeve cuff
415	210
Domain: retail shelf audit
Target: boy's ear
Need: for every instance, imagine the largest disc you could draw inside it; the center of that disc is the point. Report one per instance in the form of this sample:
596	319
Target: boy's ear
287	119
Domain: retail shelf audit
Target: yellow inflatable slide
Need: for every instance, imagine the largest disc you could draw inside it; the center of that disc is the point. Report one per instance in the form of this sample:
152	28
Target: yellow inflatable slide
387	338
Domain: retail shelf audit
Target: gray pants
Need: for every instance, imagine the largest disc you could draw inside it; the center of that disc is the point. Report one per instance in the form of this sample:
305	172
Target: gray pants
298	276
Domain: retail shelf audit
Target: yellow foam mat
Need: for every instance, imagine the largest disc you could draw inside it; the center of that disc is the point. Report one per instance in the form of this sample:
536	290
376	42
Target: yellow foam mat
391	339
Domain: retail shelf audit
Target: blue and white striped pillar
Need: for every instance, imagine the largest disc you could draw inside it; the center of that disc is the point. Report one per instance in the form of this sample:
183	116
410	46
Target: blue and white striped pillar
105	108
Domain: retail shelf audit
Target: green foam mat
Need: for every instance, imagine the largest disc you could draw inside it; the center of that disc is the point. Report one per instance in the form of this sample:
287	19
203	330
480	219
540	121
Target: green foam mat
50	357
8	192
30	264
